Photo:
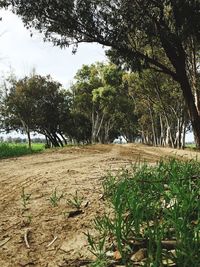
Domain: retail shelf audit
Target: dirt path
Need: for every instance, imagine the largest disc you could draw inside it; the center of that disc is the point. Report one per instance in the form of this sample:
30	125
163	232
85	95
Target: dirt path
67	170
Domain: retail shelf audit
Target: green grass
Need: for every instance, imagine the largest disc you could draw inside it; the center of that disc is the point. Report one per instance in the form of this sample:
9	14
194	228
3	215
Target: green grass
55	198
192	145
8	150
149	206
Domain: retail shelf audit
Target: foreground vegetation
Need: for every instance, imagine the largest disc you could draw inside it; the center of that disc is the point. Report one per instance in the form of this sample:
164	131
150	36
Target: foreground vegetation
8	150
154	218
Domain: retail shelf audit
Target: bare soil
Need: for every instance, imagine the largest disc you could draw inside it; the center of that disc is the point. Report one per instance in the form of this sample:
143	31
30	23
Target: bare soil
67	170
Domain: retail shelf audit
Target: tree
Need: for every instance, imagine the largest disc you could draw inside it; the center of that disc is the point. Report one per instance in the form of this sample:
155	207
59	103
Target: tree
4	3
19	110
5	85
79	127
38	104
102	96
135	29
160	109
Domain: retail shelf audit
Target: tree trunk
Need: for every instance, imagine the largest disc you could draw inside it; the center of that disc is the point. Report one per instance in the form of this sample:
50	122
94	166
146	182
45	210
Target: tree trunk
58	139
29	139
153	128
27	130
162	135
192	109
63	137
48	143
95	120
52	138
178	60
192	70
96	127
183	137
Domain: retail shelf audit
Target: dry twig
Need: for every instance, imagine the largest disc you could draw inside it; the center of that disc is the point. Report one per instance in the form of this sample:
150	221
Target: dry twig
26	238
55	238
3	242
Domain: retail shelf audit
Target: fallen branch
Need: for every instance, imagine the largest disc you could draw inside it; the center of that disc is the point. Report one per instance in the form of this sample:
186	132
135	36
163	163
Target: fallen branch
26	238
55	238
167	244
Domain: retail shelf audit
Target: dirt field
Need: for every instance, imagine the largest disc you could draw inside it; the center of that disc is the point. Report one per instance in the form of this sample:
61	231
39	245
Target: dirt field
67	170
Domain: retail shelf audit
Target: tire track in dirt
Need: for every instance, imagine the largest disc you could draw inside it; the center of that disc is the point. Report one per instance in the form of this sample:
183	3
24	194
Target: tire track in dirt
69	170
44	171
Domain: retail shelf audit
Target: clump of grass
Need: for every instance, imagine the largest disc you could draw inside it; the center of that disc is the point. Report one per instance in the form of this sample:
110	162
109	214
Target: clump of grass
156	208
55	198
75	201
8	150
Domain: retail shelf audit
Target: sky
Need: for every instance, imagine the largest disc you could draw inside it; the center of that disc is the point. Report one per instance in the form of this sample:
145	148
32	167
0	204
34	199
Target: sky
22	53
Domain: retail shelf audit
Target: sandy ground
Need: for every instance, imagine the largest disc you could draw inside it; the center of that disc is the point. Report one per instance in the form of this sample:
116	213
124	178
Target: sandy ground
67	170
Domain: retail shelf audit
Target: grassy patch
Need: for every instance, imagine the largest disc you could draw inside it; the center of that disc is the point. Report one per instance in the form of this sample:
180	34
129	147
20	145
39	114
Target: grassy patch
15	150
192	146
153	209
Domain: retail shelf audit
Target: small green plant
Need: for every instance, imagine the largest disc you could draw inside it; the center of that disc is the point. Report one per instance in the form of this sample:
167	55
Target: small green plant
25	198
98	249
157	208
100	262
75	201
55	198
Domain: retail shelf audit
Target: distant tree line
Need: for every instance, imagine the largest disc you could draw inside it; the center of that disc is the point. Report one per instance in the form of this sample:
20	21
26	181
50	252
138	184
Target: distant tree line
96	108
105	101
21	140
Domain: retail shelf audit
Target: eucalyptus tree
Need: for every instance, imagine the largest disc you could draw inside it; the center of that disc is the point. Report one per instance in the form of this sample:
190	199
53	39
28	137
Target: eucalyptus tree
134	29
160	108
102	96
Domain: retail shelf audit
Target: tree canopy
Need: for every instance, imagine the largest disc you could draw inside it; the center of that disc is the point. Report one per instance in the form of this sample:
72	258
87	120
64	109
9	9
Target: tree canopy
144	34
103	103
38	104
101	94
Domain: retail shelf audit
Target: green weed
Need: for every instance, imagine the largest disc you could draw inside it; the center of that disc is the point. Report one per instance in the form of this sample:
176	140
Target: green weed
98	249
157	207
75	201
55	198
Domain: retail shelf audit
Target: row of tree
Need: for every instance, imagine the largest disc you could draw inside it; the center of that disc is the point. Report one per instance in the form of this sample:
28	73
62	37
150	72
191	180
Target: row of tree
159	106
34	103
160	35
95	109
103	102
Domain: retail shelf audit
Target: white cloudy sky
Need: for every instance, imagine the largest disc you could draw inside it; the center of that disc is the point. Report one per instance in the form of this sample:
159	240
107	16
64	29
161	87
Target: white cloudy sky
23	53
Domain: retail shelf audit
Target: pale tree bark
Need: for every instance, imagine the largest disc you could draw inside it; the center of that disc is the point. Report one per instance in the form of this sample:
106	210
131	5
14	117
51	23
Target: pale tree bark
153	127
97	122
27	130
